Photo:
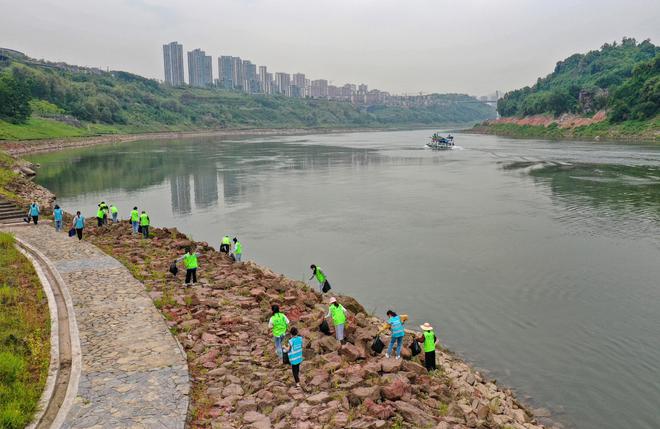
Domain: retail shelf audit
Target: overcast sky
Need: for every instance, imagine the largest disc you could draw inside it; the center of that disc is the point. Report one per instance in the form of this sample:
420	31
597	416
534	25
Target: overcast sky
473	46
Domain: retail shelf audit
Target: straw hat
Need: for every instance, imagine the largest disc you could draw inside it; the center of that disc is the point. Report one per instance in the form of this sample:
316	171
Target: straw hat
426	326
333	299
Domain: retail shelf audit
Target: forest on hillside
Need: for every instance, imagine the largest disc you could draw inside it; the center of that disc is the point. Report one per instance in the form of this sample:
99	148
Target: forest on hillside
621	77
125	101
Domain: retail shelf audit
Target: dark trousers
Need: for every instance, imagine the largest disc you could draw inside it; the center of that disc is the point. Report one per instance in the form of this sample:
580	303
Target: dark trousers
296	372
191	273
224	248
145	231
79	232
429	360
99	221
35	219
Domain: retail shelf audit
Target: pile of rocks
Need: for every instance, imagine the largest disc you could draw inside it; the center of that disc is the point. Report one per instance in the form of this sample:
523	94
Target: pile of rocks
238	380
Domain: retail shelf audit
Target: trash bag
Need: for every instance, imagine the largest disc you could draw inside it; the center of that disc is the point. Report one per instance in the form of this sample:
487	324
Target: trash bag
26	219
324	327
415	349
173	268
72	232
285	358
232	257
377	346
326	286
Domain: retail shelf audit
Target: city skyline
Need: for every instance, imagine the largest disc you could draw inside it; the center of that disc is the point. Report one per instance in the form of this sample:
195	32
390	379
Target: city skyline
240	74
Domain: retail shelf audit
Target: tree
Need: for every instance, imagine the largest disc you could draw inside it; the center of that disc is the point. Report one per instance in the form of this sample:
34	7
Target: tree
14	99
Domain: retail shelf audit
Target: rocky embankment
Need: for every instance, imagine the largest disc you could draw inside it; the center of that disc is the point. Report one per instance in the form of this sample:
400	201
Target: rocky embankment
238	381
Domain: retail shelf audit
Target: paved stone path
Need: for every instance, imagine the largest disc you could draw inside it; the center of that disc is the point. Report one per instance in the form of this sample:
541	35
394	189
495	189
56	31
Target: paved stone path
134	374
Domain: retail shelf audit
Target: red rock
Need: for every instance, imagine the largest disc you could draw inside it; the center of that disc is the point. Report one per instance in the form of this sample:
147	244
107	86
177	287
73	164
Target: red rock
381	411
390	365
359	394
412	414
351	353
396	389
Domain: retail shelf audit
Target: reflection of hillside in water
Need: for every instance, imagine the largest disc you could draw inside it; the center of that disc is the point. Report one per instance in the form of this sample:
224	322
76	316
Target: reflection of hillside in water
628	194
208	170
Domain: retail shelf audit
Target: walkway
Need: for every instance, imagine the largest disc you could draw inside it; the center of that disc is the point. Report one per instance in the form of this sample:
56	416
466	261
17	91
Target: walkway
133	372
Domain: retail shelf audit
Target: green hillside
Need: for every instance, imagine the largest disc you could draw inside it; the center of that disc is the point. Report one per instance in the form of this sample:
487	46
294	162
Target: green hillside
40	99
621	77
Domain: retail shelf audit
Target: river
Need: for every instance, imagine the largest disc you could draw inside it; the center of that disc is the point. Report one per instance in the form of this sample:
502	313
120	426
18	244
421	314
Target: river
537	260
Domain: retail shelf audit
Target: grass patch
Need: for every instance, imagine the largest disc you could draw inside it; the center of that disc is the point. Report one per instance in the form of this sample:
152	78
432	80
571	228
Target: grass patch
24	337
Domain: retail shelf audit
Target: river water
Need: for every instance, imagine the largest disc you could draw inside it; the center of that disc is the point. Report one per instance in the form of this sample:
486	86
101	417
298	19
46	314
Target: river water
537	260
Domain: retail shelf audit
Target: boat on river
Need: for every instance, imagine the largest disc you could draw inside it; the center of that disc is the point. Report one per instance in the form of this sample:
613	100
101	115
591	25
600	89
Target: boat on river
441	143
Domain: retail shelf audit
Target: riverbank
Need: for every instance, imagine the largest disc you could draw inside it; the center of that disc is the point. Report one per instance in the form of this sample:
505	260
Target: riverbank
222	324
571	127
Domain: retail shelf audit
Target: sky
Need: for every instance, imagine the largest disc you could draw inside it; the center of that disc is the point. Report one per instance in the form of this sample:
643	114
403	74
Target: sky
400	46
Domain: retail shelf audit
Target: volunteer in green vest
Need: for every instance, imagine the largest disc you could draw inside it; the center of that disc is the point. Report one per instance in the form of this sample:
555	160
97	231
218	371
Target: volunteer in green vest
238	249
114	212
99	216
104	207
278	323
338	314
225	244
191	264
428	340
135	219
320	277
144	224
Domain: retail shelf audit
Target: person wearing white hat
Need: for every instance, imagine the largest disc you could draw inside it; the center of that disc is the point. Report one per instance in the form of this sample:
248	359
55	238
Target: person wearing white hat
429	340
338	313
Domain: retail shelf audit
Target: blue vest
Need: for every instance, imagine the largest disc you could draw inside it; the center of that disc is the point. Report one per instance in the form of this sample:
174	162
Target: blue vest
80	222
396	326
57	214
34	210
295	354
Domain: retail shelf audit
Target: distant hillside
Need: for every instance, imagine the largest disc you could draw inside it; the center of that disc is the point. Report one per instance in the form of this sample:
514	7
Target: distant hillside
40	99
623	78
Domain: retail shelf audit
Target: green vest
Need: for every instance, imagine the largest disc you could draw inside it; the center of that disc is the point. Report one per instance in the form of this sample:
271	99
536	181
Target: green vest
144	219
135	216
190	261
319	275
429	341
338	315
226	240
238	248
279	324
99	213
113	209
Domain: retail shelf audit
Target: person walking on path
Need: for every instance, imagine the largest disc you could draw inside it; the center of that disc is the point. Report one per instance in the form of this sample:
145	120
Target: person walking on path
278	323
79	224
238	249
144	224
428	340
394	324
320	277
338	314
135	219
295	351
114	212
33	212
225	244
191	264
100	215
58	215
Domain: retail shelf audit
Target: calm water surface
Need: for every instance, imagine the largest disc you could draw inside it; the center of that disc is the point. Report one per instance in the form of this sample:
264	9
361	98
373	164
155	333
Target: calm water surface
539	261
